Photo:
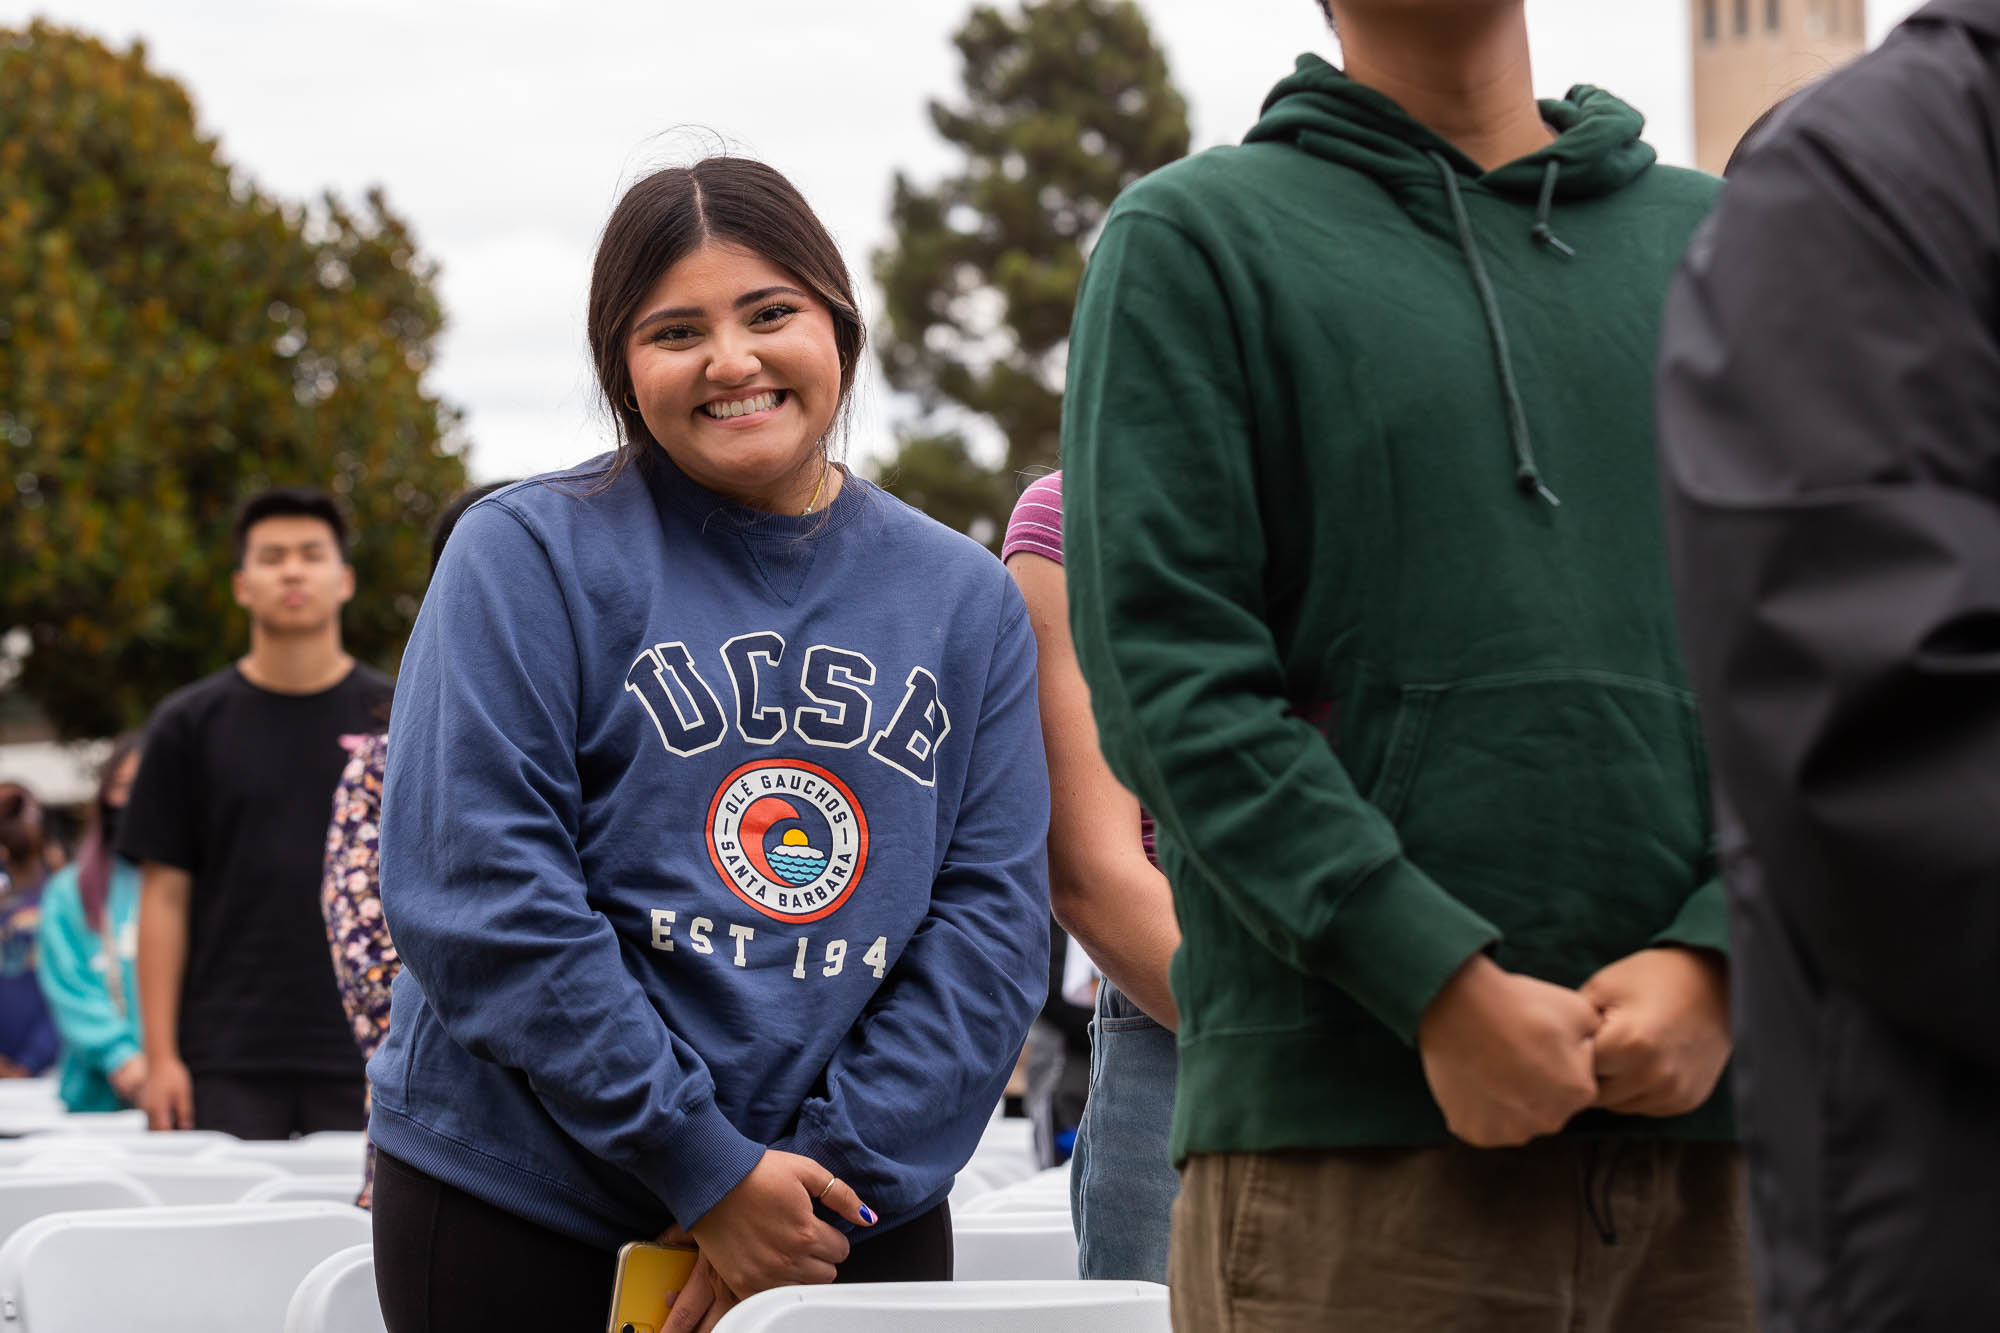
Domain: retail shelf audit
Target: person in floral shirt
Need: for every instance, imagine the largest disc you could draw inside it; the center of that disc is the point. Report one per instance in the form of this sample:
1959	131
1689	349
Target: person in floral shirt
364	957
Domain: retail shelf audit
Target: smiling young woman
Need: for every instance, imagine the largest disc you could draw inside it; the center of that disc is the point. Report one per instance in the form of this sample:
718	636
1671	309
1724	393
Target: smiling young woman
713	827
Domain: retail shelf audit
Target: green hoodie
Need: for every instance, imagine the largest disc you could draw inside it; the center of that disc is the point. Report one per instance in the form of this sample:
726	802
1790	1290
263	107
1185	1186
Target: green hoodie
1367	579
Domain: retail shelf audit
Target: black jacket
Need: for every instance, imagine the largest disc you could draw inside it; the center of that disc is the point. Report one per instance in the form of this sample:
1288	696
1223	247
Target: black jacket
1830	430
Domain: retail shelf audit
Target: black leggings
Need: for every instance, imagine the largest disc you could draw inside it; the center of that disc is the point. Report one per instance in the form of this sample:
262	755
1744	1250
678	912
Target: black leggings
446	1262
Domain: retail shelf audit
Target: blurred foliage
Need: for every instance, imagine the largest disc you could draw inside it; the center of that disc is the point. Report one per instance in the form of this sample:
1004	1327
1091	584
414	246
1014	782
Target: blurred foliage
172	338
1066	103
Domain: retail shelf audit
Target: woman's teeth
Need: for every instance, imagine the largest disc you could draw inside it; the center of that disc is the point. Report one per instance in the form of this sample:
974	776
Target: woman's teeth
742	406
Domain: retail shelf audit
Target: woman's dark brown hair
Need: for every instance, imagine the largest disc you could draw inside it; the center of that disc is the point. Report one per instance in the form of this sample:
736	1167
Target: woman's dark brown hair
666	217
94	864
20	835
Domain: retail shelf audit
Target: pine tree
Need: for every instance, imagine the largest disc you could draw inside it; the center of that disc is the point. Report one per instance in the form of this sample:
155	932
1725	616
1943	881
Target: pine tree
1066	103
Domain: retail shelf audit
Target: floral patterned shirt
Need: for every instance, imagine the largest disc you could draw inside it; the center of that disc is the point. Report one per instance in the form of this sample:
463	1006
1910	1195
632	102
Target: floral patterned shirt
364	959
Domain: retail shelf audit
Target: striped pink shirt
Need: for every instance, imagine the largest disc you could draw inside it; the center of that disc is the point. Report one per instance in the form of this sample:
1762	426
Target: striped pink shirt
1036	529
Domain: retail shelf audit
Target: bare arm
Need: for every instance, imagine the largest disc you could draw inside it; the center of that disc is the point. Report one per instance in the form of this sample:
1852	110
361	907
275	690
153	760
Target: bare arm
1105	892
164	891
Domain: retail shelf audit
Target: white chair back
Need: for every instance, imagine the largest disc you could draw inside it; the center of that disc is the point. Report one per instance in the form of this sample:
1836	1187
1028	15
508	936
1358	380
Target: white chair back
338	1296
1013	1247
42	1120
315	1156
340	1187
181	1143
228	1268
1047	1192
177	1180
963	1307
32	1095
27	1195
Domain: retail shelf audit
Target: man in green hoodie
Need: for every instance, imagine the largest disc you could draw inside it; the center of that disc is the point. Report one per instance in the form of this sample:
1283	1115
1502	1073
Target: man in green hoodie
1367	580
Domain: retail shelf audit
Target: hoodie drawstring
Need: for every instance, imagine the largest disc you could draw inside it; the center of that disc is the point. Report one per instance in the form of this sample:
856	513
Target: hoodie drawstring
1526	475
1541	231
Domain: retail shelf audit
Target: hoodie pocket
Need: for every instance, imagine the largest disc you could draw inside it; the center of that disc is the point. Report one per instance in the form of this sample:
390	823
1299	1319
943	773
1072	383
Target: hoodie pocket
1568	807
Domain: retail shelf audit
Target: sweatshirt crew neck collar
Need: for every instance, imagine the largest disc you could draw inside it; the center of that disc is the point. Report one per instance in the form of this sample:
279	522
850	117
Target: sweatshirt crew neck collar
714	511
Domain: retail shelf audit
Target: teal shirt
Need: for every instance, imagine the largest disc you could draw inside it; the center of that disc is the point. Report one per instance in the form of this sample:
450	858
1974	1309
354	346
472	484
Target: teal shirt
97	1034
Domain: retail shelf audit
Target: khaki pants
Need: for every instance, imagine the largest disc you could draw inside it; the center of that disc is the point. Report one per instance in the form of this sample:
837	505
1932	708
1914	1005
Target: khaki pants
1562	1236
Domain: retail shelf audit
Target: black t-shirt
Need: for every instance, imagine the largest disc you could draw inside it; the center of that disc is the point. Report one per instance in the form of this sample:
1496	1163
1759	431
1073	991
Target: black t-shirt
236	788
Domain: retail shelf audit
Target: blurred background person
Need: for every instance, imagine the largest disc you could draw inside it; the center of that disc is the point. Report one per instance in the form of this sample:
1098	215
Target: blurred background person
350	892
89	940
27	1033
1109	894
243	1026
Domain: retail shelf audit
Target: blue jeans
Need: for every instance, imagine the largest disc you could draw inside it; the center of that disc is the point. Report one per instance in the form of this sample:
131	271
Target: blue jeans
1122	1182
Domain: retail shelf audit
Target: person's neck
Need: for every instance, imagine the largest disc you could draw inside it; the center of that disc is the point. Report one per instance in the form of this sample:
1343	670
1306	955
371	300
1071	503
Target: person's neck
295	663
1468	80
808	492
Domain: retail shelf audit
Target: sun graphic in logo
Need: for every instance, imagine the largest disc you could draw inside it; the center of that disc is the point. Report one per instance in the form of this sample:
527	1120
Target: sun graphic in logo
795	859
788	838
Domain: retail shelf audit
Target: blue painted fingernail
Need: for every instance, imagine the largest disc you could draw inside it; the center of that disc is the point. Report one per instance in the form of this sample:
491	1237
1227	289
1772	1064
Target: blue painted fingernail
868	1214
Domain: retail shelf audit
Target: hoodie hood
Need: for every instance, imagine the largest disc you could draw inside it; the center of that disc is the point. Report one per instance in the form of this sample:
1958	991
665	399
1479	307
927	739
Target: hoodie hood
1597	149
1321	111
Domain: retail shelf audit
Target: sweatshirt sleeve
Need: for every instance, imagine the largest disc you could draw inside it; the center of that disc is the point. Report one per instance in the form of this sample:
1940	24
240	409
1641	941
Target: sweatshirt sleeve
1830	429
912	1086
92	1028
1166	557
484	890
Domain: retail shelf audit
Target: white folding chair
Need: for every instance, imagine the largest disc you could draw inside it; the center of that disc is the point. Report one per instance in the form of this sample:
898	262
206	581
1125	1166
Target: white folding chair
177	1180
973	1182
25	1195
338	1296
39	1120
1045	1191
229	1268
339	1187
30	1094
180	1143
314	1156
963	1307
1013	1247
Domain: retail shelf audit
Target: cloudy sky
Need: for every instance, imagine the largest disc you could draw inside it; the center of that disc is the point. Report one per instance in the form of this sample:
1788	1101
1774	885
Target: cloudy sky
505	129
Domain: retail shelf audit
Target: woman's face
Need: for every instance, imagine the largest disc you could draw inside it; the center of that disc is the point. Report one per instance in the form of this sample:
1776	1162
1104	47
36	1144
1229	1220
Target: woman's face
737	375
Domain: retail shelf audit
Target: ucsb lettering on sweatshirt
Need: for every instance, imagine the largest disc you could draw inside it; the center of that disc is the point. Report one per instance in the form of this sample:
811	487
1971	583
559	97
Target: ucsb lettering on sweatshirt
707	831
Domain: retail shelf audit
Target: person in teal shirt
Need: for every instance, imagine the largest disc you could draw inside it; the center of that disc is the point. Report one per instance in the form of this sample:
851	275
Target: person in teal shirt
89	934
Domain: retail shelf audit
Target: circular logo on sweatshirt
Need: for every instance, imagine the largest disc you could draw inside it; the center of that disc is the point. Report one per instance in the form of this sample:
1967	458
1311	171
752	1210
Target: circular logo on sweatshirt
788	838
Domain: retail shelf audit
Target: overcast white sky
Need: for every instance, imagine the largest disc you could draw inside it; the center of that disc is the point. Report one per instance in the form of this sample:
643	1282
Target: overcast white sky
505	129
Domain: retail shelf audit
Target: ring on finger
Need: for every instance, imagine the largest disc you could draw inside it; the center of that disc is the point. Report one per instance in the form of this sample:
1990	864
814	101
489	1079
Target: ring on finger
831	1181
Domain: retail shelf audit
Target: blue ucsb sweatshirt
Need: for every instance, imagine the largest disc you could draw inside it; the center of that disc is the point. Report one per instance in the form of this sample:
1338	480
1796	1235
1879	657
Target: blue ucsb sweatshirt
707	831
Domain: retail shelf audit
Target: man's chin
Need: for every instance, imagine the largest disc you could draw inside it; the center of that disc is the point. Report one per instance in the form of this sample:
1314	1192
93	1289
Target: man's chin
299	624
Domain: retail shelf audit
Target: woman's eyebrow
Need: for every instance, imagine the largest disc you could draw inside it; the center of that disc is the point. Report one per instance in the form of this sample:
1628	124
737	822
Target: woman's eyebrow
696	312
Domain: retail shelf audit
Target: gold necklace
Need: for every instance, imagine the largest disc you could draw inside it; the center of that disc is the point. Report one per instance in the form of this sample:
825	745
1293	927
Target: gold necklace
816	490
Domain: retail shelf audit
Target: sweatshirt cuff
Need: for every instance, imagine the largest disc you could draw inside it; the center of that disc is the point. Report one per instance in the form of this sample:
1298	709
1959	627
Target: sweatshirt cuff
1702	922
702	1160
116	1054
1404	937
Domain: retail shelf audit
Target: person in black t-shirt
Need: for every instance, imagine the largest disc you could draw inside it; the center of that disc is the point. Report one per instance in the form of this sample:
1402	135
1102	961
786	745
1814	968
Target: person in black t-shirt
227	820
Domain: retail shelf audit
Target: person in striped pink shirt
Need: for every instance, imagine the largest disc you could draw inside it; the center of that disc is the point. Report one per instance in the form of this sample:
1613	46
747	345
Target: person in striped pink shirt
1109	894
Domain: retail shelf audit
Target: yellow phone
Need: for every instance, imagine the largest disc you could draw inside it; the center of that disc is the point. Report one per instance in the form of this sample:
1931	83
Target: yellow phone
648	1274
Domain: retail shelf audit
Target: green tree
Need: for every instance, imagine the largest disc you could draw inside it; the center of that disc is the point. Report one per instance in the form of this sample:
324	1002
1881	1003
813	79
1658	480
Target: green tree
173	338
1066	103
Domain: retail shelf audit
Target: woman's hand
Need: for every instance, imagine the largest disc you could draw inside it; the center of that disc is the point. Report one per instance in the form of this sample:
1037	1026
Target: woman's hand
129	1079
763	1233
701	1303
